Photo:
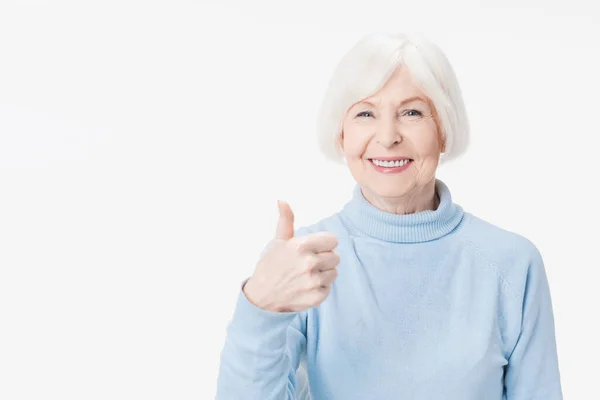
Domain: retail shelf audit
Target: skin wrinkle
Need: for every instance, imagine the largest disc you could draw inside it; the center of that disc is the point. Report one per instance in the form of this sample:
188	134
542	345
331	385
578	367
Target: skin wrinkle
366	136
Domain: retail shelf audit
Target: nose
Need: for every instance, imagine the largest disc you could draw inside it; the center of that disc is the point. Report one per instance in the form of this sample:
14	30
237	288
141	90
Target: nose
388	133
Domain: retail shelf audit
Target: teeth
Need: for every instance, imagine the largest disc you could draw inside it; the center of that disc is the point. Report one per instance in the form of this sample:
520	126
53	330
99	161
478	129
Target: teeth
390	164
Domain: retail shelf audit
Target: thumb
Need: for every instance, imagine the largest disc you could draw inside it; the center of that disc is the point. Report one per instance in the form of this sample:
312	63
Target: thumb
285	225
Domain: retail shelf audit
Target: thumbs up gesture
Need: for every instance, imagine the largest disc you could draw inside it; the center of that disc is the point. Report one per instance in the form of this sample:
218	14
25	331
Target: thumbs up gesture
294	274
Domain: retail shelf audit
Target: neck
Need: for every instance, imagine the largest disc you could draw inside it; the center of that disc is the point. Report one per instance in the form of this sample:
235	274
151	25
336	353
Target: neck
365	219
418	199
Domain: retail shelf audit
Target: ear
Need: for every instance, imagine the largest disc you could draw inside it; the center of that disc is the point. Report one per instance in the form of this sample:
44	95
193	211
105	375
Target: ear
440	134
442	142
341	140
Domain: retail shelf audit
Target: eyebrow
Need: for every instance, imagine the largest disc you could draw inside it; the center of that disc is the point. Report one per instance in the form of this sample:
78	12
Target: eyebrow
410	99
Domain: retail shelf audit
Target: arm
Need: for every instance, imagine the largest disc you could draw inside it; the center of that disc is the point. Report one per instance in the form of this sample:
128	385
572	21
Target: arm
261	353
532	372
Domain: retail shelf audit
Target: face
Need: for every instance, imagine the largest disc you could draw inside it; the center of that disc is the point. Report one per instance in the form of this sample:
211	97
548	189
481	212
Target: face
391	139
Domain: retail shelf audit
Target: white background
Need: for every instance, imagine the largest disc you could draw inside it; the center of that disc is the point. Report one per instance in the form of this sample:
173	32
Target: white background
143	146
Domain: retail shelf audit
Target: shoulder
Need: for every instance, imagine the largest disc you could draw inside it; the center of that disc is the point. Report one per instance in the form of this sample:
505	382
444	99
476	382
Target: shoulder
510	254
496	241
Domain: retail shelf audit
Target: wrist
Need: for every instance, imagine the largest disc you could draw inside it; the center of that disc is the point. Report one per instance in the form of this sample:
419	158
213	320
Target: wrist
250	292
255	295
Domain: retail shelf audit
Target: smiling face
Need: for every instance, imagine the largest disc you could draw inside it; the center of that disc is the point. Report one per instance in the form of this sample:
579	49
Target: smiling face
391	140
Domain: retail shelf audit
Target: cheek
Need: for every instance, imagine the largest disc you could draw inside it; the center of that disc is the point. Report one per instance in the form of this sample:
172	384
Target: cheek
426	142
355	142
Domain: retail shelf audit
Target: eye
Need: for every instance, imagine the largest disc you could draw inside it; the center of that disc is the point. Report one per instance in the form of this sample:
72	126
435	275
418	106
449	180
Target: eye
363	112
412	113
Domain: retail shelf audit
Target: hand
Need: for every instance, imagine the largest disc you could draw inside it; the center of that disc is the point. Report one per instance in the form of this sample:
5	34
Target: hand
294	274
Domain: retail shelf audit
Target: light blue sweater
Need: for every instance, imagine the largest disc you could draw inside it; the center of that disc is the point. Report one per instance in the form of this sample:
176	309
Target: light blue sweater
432	305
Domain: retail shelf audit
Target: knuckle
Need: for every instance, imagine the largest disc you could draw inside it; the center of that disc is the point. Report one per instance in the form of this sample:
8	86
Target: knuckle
310	262
324	291
300	245
334	241
331	238
311	284
316	298
317	281
331	275
323	278
336	258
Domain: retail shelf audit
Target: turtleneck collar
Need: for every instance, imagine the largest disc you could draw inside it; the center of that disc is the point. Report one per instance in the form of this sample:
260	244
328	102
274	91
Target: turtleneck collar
362	217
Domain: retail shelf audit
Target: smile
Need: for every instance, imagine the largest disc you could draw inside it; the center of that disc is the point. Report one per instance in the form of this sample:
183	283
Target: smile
391	165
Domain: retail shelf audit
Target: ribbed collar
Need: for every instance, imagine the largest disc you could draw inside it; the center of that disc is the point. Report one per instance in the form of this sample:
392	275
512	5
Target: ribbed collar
423	226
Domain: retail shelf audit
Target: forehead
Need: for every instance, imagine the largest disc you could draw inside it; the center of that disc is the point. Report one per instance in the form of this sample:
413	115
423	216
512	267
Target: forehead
400	87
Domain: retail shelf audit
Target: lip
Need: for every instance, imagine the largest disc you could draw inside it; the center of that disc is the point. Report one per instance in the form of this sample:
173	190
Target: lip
390	170
399	158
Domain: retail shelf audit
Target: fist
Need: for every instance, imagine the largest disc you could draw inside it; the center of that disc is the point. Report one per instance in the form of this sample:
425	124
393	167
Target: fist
293	274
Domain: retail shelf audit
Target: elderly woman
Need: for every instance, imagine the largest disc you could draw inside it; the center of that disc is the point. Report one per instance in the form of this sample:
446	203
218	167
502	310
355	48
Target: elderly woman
401	294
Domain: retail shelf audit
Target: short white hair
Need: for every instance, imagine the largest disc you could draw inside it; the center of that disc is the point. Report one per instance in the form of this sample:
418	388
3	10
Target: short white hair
365	68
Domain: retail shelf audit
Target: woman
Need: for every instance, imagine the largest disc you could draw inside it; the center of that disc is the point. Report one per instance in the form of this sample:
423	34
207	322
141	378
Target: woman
401	294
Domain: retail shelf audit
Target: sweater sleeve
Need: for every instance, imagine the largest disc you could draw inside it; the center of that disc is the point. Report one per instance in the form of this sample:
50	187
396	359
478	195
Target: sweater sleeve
532	371
261	353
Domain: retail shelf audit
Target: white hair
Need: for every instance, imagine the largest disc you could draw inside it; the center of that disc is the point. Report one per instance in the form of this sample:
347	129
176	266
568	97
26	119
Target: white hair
365	68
